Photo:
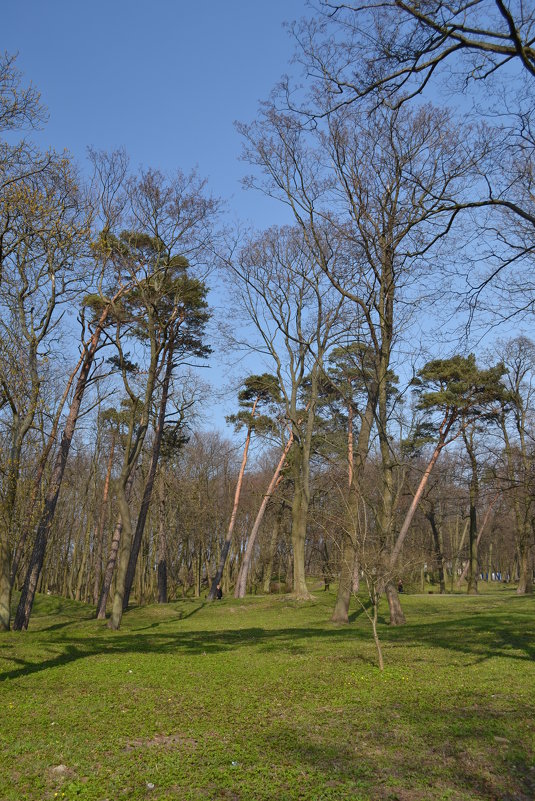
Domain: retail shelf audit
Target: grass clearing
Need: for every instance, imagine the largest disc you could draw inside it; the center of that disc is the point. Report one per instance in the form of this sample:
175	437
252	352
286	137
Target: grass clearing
266	699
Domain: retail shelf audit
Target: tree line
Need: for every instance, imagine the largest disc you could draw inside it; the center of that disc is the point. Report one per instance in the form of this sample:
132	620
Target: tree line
386	452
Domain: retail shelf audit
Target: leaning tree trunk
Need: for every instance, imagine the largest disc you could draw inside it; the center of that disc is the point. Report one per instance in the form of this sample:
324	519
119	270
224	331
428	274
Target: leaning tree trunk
241	583
228	539
29	588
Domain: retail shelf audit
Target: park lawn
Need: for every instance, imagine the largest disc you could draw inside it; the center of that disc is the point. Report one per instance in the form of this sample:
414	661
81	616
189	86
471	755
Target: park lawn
266	699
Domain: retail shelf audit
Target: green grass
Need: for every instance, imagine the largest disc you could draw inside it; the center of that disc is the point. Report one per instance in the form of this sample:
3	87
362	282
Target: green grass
266	699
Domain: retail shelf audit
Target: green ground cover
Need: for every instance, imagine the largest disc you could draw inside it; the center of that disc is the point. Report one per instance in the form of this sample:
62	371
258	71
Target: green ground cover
265	699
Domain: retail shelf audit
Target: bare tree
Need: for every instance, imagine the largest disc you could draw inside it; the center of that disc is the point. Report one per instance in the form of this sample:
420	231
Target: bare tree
297	316
385	183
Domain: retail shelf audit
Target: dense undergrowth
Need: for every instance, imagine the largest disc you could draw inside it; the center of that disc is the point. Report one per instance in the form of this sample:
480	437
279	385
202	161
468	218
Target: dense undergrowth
266	699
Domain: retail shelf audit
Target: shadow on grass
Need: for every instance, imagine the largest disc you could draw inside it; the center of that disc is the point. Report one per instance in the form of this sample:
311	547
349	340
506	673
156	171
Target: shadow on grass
482	637
201	642
381	760
479	637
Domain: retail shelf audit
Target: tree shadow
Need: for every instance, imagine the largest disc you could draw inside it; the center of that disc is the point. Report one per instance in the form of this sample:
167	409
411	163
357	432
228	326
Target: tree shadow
383	765
480	637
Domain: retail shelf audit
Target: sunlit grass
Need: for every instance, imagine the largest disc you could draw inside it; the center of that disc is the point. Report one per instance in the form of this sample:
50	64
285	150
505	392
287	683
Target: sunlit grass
266	699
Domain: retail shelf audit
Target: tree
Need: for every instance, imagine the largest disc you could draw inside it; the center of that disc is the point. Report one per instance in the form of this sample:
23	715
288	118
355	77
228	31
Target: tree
519	359
463	395
396	47
20	110
396	52
258	390
283	290
165	312
111	179
45	230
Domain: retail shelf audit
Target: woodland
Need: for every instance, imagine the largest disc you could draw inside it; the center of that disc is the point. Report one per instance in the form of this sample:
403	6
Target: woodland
384	436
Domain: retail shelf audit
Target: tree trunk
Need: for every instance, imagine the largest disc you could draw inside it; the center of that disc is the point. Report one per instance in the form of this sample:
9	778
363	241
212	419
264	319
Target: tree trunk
112	557
241	582
349	535
345	586
397	618
268	571
24	609
525	581
147	493
83	562
439	548
472	551
124	556
162	549
479	535
101	524
299	527
228	539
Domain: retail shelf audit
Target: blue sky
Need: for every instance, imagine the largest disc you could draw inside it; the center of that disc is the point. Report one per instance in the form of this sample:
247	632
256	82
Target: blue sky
166	79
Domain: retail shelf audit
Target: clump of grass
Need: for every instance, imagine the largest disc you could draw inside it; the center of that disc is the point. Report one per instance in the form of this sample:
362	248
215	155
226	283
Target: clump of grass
264	698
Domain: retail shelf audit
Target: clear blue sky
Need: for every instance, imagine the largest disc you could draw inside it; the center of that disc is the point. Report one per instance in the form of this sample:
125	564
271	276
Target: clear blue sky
166	79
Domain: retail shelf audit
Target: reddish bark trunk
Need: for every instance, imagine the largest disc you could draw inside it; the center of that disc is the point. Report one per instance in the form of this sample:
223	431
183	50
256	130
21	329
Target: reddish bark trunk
273	484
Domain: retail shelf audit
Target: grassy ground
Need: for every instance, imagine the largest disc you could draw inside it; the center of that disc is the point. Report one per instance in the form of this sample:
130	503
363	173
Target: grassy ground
265	699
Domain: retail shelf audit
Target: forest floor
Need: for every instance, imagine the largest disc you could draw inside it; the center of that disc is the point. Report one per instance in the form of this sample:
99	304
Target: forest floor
266	699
